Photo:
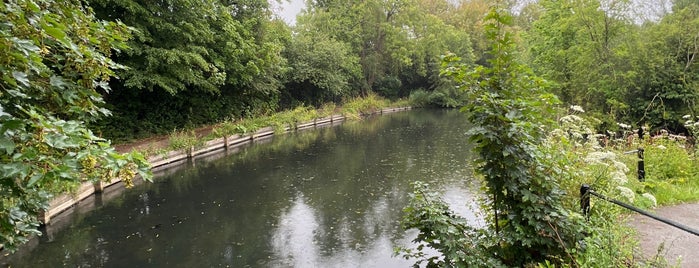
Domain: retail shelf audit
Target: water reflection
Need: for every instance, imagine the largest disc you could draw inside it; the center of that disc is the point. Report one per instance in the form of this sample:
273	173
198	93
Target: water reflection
298	240
294	239
329	197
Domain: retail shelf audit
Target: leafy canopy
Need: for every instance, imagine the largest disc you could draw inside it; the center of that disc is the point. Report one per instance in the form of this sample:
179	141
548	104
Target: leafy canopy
53	61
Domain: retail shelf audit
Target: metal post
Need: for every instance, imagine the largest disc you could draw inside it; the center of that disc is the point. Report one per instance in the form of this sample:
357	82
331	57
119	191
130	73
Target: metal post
585	200
641	166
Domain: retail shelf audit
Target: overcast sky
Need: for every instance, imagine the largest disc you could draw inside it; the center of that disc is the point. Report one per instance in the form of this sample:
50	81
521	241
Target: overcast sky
641	9
287	10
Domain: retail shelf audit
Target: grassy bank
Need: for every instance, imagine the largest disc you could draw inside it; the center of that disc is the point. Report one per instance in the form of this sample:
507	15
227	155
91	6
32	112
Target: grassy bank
672	171
671	177
352	109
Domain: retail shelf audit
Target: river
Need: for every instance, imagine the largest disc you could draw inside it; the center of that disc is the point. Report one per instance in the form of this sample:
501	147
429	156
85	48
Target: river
328	197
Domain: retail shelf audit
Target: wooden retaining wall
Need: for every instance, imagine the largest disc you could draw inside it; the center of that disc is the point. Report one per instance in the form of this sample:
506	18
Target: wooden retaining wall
71	201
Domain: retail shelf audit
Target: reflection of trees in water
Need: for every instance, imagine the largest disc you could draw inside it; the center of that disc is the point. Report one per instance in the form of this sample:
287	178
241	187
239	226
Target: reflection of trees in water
335	193
359	200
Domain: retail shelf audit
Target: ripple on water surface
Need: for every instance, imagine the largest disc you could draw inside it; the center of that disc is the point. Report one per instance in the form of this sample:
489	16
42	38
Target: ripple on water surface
329	197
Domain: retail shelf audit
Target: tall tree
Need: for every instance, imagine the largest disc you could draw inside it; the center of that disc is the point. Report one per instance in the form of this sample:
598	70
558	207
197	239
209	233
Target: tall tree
584	47
321	69
604	60
222	56
396	41
667	84
53	61
171	47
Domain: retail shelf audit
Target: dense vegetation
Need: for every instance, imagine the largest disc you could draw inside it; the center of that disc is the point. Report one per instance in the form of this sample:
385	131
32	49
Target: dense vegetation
54	68
180	64
191	64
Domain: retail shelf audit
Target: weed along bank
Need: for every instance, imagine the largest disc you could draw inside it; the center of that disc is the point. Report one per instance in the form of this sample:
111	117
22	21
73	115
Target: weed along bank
167	160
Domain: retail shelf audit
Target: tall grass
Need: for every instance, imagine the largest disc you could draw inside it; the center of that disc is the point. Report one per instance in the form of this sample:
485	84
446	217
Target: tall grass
672	171
184	140
355	108
280	122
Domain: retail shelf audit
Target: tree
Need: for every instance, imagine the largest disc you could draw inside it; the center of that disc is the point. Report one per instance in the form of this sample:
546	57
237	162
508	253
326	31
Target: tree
620	70
54	60
397	41
321	69
667	85
585	47
528	224
375	31
171	46
221	56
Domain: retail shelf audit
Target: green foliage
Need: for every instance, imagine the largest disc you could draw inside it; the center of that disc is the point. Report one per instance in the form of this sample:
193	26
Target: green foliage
443	97
672	173
321	69
53	63
506	104
292	118
187	45
419	98
598	55
184	140
357	107
460	244
193	63
397	43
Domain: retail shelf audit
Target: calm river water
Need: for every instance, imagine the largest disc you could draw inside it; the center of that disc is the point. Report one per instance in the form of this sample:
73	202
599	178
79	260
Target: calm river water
329	197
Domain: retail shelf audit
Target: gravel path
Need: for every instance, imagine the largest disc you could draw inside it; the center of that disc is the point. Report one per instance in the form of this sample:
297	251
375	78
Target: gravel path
678	244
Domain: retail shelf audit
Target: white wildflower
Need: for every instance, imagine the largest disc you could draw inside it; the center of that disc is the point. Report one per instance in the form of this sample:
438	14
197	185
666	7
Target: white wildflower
598	136
626	193
619	177
557	133
572	120
600	157
620	166
651	198
686	116
624	126
577	108
661	147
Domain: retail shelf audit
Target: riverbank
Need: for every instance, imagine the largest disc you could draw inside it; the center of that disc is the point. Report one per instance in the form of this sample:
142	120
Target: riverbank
161	153
657	239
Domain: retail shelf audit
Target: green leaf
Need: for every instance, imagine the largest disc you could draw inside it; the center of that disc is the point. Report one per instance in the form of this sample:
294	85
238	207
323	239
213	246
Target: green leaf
57	82
34	179
7	144
11	125
21	77
54	31
10	170
27	47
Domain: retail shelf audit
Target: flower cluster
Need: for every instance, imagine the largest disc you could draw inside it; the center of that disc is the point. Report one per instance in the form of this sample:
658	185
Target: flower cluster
654	202
627	193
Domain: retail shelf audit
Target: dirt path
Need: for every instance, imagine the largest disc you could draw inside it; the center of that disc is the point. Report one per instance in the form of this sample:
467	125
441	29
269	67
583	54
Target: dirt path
677	244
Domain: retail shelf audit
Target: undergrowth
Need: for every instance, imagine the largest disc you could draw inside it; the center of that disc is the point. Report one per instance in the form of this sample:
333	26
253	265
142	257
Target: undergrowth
531	172
280	122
